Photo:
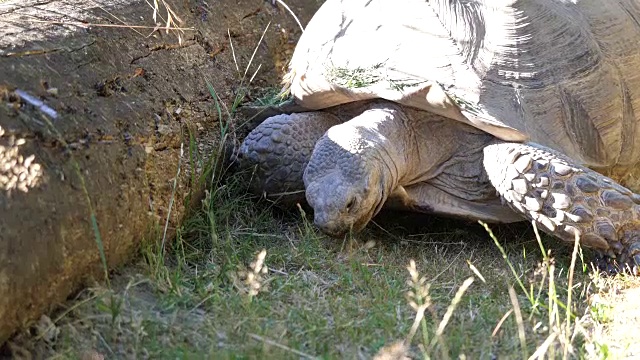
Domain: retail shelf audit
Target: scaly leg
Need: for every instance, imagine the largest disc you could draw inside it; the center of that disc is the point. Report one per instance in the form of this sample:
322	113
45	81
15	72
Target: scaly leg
566	199
279	149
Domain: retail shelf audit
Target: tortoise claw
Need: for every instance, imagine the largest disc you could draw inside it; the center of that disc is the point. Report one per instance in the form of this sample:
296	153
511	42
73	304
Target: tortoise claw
635	259
605	264
616	265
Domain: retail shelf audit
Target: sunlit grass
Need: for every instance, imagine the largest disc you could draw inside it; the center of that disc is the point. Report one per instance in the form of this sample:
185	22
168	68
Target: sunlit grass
243	279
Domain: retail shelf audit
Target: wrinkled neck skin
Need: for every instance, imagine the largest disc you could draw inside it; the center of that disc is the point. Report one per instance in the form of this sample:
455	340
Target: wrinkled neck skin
391	145
356	166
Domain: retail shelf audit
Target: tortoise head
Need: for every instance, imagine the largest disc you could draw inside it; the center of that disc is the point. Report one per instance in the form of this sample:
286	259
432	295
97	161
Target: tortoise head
344	181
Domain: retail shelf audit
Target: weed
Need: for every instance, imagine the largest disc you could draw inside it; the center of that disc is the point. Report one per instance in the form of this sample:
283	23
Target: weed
270	97
353	78
304	295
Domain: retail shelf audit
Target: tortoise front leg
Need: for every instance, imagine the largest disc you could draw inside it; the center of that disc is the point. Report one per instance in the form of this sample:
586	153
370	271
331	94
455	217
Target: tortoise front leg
278	150
566	199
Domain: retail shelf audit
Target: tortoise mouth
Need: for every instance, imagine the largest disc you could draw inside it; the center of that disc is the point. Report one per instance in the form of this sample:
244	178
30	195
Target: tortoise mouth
339	232
331	227
340	228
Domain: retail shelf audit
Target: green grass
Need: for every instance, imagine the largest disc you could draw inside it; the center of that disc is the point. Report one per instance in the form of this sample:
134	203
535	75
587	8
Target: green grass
321	297
354	78
245	280
269	97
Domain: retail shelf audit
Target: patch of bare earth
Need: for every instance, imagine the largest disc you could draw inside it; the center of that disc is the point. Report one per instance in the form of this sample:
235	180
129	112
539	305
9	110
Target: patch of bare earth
243	280
613	318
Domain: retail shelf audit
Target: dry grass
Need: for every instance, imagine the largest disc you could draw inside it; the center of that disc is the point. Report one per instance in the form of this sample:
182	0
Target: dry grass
244	280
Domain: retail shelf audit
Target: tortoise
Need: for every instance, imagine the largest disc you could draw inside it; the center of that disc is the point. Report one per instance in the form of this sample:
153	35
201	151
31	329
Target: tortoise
500	112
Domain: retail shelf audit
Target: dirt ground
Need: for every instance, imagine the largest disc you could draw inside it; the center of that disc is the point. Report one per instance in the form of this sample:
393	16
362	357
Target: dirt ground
96	109
131	108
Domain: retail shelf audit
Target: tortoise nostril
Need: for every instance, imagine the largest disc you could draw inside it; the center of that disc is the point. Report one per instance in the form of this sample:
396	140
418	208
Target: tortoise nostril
321	222
350	205
329	226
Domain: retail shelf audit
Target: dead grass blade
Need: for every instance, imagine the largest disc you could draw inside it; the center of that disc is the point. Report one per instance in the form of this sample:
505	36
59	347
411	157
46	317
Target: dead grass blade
519	321
452	307
502	320
574	256
283	347
291	12
173	196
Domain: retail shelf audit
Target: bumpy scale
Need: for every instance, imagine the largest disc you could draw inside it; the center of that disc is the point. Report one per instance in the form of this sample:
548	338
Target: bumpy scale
567	200
280	157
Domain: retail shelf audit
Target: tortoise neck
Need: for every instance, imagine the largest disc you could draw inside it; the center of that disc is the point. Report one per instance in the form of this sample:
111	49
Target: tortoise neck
387	136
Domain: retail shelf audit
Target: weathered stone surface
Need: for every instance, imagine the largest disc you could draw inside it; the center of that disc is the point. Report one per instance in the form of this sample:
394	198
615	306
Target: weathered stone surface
119	103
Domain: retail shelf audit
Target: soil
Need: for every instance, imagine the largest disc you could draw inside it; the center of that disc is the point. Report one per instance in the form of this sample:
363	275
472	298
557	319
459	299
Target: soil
95	127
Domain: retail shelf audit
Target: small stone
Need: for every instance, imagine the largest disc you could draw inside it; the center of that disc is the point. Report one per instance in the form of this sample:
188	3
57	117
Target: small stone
540	165
558	216
529	177
29	160
551	212
627	215
586	185
272	162
285	130
560	201
572	217
282	173
593	203
634	249
621	189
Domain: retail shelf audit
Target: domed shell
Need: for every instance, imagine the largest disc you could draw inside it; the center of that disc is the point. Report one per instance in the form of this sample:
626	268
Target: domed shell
561	73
